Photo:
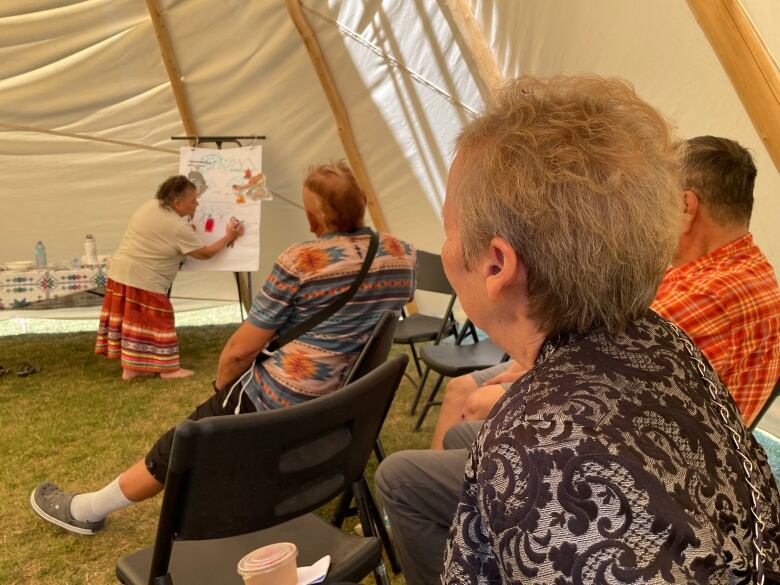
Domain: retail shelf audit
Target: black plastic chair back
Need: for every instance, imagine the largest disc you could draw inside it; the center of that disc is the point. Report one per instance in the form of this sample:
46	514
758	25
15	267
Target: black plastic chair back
232	475
432	278
377	348
430	274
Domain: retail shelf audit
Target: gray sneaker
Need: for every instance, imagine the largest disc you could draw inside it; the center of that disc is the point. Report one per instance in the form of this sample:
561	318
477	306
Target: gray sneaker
53	505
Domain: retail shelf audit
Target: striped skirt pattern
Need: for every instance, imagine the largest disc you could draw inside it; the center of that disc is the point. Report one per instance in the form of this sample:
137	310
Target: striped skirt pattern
137	326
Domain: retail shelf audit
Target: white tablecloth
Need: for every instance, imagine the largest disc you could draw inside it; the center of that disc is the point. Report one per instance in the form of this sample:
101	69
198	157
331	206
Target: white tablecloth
21	288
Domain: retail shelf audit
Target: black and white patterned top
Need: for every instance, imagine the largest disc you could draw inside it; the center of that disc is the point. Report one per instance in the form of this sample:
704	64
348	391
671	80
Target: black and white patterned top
608	463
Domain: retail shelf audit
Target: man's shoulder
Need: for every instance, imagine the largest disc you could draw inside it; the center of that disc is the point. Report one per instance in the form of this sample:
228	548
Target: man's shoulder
745	284
308	254
724	282
399	250
742	269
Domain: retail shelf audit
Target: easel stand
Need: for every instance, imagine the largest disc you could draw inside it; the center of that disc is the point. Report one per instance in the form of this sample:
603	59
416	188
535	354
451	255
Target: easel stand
243	279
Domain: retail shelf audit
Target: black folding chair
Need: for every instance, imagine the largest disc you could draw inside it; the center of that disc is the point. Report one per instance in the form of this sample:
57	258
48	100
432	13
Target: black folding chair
236	483
452	360
766	407
374	354
419	328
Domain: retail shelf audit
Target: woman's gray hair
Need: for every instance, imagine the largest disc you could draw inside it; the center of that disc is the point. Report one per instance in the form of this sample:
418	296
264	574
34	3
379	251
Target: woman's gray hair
581	177
172	189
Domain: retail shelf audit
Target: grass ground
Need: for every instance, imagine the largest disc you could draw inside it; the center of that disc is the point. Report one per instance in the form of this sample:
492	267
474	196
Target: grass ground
76	423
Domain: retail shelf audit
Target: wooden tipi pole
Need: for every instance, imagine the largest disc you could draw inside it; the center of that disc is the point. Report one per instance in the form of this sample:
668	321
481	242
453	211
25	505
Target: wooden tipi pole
339	110
744	57
488	72
169	59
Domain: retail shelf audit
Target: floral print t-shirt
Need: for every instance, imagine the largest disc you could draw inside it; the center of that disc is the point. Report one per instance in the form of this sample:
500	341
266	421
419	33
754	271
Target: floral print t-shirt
305	279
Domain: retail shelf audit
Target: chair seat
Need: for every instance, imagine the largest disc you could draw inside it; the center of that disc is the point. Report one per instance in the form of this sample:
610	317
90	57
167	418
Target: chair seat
416	328
457	360
207	562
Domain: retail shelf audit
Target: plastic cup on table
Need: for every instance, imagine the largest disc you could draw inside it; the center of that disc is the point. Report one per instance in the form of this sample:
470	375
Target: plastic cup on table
274	564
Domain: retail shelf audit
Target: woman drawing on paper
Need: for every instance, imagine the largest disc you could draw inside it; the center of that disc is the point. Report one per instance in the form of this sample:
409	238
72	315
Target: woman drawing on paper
137	321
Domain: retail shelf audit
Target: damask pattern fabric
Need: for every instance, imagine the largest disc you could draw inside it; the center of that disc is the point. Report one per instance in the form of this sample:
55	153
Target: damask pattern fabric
609	463
305	279
728	301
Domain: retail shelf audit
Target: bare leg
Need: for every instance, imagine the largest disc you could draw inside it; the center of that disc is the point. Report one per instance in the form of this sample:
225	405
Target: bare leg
456	393
138	484
479	404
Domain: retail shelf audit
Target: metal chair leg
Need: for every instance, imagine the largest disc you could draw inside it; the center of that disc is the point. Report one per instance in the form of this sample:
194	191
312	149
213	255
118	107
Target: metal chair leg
416	359
428	404
420	390
379	451
380	574
375	524
379	525
342	509
359	489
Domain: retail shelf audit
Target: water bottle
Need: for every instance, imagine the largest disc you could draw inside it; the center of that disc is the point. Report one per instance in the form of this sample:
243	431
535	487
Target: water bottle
90	250
40	255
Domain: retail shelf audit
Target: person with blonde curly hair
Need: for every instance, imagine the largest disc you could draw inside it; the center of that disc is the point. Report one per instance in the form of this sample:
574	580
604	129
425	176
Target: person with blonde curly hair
617	456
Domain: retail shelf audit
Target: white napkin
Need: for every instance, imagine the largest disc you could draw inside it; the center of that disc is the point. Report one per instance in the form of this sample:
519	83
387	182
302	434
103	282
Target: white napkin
315	573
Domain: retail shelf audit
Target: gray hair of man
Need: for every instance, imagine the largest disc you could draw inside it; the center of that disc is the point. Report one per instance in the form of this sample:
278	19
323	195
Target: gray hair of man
722	174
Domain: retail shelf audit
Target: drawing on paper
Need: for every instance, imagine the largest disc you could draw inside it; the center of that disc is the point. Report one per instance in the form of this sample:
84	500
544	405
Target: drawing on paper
230	183
253	189
199	181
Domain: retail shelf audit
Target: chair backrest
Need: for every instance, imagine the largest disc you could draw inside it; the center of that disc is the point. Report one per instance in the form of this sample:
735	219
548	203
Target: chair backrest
767	405
377	348
231	475
430	274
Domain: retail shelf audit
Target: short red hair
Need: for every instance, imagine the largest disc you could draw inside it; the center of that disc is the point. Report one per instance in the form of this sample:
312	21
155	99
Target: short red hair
343	201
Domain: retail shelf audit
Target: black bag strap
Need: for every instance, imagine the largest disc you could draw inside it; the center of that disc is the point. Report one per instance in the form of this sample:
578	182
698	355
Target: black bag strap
326	313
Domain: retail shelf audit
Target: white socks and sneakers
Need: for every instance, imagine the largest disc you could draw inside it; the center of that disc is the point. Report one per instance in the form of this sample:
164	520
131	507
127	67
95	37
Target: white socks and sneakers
95	506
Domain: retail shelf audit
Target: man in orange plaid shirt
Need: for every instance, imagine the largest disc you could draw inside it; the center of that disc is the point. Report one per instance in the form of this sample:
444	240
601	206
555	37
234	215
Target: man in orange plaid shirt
721	289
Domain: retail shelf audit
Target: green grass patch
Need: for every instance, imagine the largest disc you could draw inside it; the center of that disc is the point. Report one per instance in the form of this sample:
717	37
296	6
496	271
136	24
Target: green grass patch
78	424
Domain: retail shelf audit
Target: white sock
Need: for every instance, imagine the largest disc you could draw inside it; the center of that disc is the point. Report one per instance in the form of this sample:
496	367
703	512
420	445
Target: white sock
94	506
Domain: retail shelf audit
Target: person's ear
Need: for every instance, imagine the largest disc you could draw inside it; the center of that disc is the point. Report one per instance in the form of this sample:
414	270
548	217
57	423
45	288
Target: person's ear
690	210
314	224
503	268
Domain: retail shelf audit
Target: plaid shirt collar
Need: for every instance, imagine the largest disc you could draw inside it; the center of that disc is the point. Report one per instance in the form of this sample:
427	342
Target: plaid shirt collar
743	245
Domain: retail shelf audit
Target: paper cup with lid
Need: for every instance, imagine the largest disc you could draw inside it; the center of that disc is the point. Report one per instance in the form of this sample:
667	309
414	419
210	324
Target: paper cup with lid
270	565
